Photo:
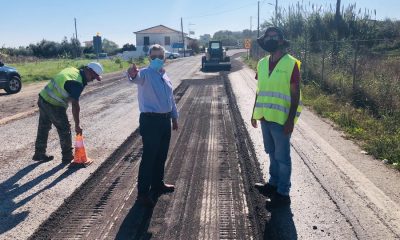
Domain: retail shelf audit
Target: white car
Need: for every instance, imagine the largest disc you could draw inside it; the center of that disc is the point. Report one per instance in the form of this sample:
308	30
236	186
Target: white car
171	55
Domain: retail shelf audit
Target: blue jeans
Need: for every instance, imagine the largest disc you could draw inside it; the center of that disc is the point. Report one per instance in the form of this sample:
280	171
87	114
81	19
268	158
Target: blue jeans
277	145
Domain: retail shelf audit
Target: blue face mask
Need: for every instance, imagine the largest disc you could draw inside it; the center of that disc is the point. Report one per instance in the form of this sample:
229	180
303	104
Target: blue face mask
156	64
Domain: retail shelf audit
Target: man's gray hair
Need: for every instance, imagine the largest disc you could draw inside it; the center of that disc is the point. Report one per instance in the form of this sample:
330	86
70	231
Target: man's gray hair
156	47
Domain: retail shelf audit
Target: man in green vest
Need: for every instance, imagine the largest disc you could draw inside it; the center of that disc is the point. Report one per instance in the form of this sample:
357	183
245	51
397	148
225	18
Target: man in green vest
277	106
65	87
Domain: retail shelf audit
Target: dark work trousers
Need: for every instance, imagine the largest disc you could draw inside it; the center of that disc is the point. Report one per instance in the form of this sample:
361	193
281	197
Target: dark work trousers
156	134
57	116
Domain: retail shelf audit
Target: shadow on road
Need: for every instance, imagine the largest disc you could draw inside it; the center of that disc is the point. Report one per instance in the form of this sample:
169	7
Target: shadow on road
11	191
3	94
214	70
136	223
280	225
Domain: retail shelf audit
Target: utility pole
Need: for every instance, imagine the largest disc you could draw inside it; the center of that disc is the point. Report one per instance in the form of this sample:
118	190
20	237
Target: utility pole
276	11
337	19
76	39
335	52
183	39
251	23
76	31
258	20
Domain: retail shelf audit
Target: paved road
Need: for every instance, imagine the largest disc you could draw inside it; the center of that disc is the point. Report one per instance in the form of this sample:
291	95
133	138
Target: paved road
338	193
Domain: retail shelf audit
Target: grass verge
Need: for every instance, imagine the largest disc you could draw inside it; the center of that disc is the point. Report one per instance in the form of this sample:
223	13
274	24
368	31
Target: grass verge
379	137
45	70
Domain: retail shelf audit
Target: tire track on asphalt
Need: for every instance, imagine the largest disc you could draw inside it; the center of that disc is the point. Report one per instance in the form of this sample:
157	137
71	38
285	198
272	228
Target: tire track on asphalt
208	218
185	163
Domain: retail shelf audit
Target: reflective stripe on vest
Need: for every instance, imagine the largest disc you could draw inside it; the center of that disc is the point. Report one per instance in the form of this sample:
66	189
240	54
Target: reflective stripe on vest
273	90
63	102
60	90
276	107
54	92
277	95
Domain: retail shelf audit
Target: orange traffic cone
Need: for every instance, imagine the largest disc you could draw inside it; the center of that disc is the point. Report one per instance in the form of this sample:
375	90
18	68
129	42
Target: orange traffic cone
80	152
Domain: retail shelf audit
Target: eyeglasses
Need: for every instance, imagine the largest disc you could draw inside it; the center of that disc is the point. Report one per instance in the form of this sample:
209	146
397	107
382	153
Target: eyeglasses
94	73
155	56
274	37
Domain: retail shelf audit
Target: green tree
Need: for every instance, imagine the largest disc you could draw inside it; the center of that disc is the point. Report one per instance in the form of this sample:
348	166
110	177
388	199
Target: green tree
109	46
204	39
128	47
194	45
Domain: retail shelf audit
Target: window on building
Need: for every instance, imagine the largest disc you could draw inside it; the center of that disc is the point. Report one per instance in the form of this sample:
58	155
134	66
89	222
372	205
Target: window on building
167	41
146	41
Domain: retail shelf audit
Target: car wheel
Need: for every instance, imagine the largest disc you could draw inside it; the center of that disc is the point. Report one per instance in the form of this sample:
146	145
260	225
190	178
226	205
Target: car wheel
171	57
14	85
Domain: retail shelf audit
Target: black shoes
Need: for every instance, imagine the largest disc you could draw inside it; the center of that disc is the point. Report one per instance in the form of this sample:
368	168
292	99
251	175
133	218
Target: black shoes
278	200
164	188
145	200
266	189
46	158
67	160
275	199
42	157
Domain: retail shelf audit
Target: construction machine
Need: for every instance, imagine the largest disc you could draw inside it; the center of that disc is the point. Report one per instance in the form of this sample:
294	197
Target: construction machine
215	57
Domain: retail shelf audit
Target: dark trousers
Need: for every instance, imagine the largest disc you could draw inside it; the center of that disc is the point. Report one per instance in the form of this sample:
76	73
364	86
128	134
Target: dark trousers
57	116
156	134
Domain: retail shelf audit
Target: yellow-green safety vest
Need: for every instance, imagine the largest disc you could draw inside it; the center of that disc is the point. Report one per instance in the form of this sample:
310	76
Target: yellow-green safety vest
54	92
273	91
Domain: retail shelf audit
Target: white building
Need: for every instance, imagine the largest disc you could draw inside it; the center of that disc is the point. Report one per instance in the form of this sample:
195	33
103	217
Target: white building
167	37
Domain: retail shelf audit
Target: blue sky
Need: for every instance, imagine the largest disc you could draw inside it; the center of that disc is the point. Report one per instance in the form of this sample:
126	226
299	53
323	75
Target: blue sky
29	21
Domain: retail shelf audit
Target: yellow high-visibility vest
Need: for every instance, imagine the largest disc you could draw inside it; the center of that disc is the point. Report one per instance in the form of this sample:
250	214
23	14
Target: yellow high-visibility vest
273	91
54	92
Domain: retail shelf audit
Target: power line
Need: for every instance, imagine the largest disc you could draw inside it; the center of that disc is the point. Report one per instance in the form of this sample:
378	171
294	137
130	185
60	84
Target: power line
226	11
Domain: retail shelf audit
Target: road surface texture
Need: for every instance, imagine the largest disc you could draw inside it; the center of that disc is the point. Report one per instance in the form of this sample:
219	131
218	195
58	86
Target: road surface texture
215	158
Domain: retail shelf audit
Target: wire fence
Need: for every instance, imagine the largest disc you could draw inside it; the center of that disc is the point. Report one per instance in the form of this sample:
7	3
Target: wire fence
367	72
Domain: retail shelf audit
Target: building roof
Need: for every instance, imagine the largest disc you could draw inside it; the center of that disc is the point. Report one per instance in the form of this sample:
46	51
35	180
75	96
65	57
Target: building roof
158	29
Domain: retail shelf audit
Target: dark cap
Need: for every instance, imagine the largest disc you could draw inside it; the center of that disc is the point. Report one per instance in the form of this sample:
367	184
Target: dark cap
279	31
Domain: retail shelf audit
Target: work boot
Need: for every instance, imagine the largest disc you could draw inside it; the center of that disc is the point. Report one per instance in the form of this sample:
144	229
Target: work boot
145	200
164	188
67	159
278	200
266	189
42	157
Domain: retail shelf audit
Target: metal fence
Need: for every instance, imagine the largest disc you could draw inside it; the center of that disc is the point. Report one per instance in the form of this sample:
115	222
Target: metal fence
367	72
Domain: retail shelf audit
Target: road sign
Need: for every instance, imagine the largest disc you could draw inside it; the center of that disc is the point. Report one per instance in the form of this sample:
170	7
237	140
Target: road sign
97	45
247	43
177	45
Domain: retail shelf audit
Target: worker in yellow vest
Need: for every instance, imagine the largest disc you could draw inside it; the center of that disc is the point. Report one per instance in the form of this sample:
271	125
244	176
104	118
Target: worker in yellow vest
65	87
277	106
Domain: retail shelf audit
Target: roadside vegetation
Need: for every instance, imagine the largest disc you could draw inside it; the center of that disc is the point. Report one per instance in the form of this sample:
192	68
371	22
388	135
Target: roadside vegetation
46	69
42	60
